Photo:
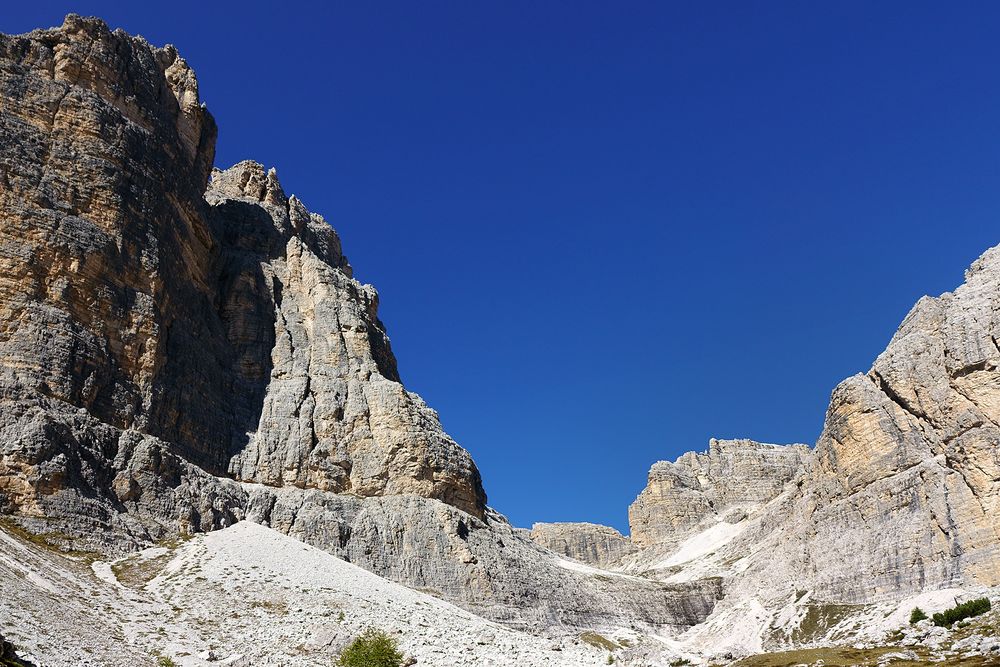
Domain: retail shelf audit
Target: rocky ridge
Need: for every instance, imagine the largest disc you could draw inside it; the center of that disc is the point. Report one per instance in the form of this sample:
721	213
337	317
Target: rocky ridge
586	542
722	484
183	348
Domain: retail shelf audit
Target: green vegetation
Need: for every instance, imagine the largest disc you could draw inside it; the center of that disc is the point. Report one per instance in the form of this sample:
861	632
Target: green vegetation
819	619
962	611
917	615
854	657
135	571
373	648
611	659
680	662
165	662
54	541
600	641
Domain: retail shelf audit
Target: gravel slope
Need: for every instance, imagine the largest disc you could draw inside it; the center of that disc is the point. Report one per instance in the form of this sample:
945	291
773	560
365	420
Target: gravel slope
246	595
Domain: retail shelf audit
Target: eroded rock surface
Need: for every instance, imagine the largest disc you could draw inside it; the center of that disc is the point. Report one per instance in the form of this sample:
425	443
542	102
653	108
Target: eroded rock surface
900	495
906	489
718	485
139	317
183	348
586	542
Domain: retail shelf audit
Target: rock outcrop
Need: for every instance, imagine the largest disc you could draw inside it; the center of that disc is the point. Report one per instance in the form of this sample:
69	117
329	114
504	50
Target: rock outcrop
720	485
900	495
138	317
182	349
905	492
590	543
8	656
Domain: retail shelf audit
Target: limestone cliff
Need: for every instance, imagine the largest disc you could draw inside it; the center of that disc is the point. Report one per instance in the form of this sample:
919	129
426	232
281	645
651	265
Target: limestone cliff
182	349
224	330
586	542
732	477
900	495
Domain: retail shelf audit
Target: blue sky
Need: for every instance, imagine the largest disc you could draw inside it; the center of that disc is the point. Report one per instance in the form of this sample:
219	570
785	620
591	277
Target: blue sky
606	232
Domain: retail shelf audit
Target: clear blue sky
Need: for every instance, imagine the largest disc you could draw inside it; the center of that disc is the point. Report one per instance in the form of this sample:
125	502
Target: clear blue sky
606	232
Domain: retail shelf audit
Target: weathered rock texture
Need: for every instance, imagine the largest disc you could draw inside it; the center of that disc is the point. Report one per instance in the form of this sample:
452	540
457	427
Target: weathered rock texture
733	476
137	317
901	494
906	489
181	349
586	542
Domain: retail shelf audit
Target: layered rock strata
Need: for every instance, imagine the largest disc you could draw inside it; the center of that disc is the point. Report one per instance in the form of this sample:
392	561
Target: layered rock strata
138	316
590	543
733	476
899	496
183	348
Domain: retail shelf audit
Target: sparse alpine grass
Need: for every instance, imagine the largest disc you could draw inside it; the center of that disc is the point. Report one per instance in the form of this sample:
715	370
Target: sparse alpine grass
373	648
961	612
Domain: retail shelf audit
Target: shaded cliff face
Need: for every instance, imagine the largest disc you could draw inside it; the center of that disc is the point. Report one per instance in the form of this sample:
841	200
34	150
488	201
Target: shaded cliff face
224	334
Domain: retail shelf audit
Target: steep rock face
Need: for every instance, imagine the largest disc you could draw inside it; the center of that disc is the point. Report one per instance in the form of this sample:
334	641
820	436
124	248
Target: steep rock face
181	349
317	386
908	465
902	493
226	335
718	485
586	542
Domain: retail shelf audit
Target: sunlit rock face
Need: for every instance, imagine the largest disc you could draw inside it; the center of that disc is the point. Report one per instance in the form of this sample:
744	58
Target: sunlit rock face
183	348
720	484
590	543
901	493
141	317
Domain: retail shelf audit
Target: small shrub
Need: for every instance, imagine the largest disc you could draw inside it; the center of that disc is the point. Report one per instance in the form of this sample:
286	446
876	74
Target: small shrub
917	615
165	662
962	611
373	648
611	659
680	662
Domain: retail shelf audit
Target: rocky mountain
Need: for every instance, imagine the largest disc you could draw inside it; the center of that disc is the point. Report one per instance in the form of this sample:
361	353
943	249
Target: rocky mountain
184	351
721	485
585	542
185	348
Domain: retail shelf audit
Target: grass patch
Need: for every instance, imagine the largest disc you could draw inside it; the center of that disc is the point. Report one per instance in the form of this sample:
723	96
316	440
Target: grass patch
853	657
277	607
53	541
135	572
600	641
819	619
